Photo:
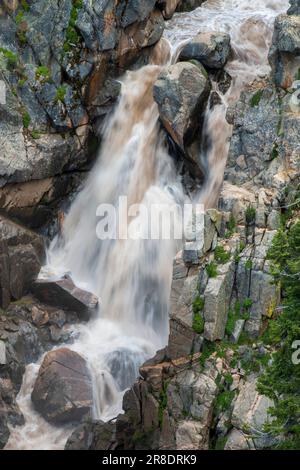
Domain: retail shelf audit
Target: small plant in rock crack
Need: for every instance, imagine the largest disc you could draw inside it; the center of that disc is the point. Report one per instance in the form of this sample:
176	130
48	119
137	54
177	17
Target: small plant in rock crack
221	255
163	402
212	269
250	215
249	264
247	304
230	226
60	93
26	119
198	321
255	100
43	74
225	396
11	57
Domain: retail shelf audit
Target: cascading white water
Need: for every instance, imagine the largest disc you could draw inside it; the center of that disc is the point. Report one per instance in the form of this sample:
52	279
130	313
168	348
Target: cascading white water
132	277
250	26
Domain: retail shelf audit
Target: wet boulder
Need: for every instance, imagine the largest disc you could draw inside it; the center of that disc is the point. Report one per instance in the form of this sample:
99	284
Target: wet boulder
64	294
294	8
62	392
211	49
181	92
188	5
284	56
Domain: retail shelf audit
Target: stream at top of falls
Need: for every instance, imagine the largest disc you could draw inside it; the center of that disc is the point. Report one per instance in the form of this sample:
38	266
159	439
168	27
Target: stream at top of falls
133	277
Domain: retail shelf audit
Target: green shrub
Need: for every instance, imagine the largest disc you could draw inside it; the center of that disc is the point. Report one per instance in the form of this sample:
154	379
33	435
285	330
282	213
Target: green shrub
223	401
208	348
198	304
35	134
21	35
61	93
250	215
221	255
72	37
163	402
230	226
42	73
249	264
229	329
247	304
22	81
212	269
281	380
10	57
26	119
19	17
198	323
25	5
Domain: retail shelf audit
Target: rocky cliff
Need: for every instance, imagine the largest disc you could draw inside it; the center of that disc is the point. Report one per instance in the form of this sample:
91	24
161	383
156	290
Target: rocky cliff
200	392
60	62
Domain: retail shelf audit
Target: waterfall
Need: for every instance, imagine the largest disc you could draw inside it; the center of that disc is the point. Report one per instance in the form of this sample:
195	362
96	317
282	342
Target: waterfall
132	277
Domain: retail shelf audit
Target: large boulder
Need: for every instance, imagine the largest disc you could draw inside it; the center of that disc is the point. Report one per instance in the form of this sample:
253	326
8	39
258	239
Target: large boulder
294	8
181	92
284	54
21	256
211	49
63	392
64	294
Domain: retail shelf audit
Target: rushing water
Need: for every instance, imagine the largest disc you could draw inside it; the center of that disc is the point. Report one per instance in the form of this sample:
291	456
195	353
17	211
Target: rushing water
133	277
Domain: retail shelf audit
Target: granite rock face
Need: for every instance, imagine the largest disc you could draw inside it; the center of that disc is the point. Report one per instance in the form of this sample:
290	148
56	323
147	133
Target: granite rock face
59	62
